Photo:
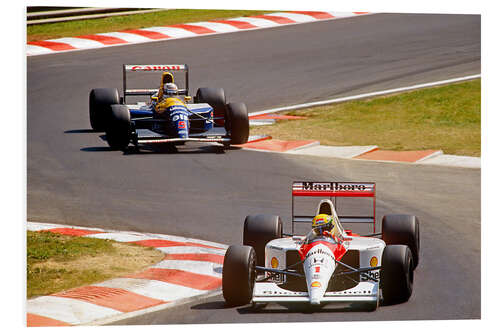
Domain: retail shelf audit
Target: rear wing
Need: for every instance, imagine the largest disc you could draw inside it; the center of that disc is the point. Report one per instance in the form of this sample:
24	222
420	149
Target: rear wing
152	68
333	190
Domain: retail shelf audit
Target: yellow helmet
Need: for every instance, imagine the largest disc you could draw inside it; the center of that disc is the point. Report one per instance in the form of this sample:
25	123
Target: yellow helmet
322	222
167	77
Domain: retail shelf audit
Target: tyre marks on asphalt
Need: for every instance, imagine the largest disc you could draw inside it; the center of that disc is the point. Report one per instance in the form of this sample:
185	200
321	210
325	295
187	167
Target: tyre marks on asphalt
190	268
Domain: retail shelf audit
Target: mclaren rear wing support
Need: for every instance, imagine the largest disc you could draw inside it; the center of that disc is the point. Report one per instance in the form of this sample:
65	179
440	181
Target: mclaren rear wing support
152	68
333	190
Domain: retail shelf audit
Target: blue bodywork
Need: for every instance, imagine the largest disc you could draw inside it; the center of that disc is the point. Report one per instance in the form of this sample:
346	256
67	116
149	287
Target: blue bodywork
177	121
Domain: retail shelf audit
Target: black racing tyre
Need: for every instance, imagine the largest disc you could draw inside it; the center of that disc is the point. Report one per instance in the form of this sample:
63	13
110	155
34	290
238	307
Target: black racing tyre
396	276
237	123
118	132
238	274
405	230
259	230
100	101
216	98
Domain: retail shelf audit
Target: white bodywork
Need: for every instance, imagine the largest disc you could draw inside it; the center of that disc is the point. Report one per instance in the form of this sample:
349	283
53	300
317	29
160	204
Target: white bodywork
319	265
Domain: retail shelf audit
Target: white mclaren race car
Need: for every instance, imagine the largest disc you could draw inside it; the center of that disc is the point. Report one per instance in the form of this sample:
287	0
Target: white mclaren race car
318	269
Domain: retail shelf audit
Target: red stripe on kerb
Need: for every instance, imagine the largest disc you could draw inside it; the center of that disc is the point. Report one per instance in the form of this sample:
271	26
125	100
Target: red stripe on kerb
106	40
114	298
277	19
168	243
210	257
316	15
360	13
193	28
73	232
182	278
54	46
237	24
147	34
34	320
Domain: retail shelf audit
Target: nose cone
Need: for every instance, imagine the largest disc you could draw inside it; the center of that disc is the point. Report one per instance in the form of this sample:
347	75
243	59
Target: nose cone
318	268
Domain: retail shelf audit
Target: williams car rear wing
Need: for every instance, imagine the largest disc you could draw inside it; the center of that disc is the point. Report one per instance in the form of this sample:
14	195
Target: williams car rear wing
333	190
152	68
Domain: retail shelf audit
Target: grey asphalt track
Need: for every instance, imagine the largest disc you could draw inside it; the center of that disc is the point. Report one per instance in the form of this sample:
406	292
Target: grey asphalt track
74	179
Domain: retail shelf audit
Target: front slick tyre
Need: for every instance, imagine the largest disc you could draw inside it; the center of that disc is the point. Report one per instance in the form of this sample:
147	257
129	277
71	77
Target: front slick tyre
118	132
396	278
237	123
238	275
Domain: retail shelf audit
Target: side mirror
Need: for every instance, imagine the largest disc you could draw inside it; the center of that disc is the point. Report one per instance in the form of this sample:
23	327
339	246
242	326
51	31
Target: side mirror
188	98
154	98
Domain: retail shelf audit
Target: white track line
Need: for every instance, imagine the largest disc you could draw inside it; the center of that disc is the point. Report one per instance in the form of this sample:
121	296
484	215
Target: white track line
361	96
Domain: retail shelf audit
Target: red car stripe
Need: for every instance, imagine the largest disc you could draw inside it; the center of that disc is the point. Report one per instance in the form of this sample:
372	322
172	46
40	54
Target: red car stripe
338	249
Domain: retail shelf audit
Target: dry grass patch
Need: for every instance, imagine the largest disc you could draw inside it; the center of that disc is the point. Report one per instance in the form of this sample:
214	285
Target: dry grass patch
447	118
59	262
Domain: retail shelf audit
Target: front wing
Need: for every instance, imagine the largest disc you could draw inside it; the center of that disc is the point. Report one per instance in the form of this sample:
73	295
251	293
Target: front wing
363	292
216	134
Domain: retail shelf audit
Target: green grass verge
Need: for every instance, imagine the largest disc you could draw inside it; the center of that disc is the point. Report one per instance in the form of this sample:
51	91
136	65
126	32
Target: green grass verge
58	262
117	23
446	117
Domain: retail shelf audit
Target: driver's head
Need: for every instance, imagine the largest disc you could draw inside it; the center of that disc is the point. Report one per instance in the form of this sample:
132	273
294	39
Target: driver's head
321	223
171	89
167	77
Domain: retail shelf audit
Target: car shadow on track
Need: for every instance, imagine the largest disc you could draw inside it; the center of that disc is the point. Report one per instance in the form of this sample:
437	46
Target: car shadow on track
83	130
157	148
275	308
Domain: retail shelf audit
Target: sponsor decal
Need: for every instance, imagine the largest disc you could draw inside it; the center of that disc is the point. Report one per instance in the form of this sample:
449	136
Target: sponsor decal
320	251
274	262
316	276
332	186
373	262
316	284
179	116
317	269
372	274
181	124
155	68
318	260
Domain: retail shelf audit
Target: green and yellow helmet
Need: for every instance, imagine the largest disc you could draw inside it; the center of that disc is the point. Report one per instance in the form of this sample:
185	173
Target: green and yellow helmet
321	223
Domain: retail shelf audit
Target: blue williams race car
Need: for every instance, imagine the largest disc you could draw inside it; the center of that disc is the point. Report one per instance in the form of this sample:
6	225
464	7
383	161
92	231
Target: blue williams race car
170	116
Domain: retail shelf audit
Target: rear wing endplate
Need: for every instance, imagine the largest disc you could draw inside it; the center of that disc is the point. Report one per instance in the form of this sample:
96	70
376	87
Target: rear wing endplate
152	68
333	190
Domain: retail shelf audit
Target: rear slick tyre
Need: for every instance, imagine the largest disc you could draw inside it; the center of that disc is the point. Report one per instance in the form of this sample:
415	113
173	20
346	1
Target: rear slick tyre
403	230
216	98
100	101
259	230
